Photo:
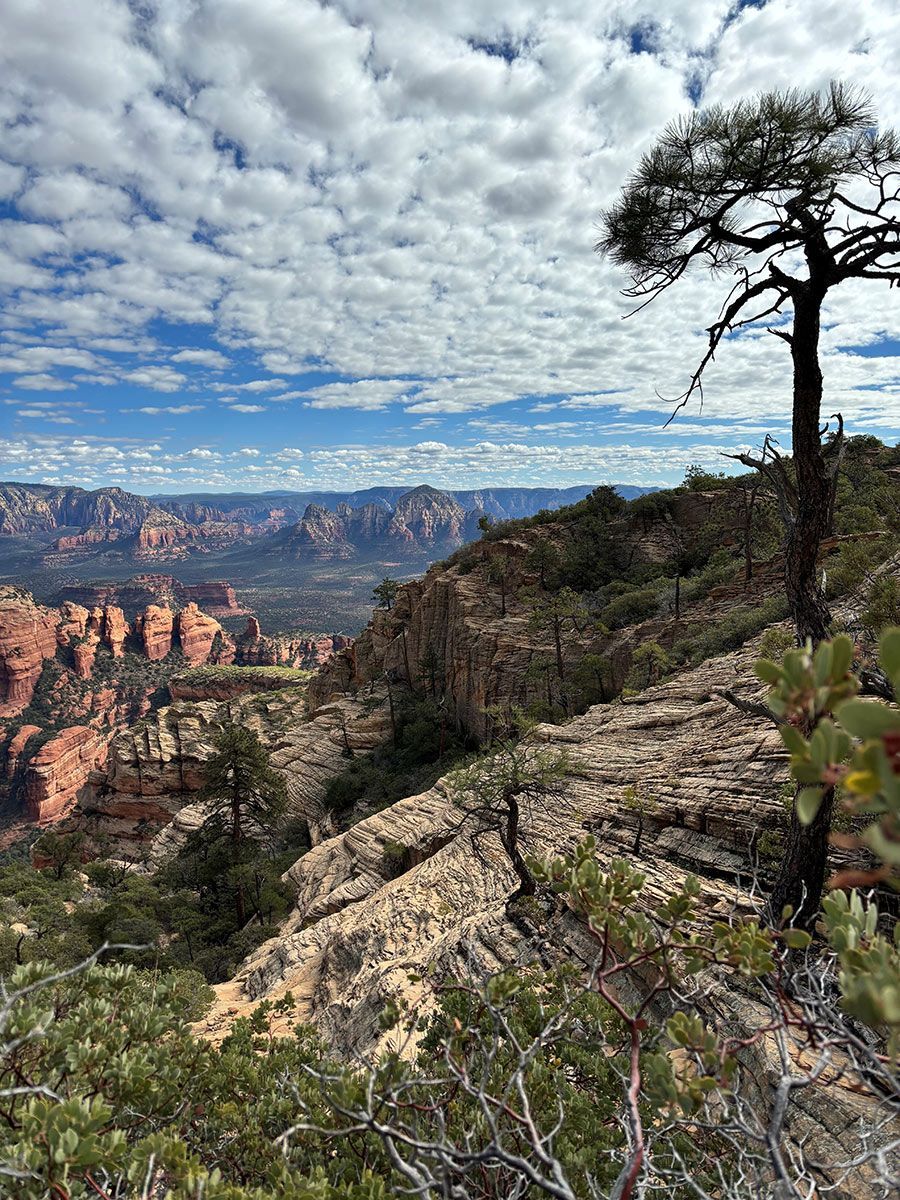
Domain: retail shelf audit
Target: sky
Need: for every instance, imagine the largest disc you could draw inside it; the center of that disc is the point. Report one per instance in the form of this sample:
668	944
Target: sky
259	244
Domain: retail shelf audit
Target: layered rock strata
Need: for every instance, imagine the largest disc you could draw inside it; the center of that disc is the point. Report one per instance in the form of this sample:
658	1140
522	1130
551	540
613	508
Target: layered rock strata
27	638
58	773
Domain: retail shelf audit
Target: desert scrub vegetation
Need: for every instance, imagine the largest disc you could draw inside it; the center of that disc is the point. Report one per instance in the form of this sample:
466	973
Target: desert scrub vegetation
627	1094
284	677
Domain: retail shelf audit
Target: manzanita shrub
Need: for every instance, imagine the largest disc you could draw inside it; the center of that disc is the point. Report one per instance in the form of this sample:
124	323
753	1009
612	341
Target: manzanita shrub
838	740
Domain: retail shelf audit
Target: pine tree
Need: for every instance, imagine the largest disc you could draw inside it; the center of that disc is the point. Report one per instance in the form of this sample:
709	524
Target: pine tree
244	798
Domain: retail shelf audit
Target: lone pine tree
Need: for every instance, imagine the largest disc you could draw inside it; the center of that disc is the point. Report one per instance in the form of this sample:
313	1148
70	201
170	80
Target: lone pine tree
793	194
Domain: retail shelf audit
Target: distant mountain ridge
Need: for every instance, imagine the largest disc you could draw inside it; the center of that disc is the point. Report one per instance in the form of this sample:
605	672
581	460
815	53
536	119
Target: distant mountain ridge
503	503
290	524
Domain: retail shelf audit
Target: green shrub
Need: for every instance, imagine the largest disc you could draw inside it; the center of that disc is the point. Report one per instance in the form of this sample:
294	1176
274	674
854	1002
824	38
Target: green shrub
631	608
776	642
882	604
396	859
731	632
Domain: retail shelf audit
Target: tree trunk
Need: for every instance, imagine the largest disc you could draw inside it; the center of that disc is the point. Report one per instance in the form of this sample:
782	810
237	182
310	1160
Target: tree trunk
509	835
236	832
393	714
815	483
748	498
801	875
557	643
409	678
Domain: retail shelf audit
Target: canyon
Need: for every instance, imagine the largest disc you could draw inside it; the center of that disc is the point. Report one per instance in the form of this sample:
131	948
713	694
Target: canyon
73	676
392	898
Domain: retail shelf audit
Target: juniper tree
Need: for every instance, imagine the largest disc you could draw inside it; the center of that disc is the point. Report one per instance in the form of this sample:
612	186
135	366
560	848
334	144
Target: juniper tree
558	615
792	194
498	794
544	558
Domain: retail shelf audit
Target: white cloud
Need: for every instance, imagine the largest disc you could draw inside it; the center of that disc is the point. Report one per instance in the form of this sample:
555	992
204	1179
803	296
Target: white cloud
42	383
158	379
365	191
173	410
202	358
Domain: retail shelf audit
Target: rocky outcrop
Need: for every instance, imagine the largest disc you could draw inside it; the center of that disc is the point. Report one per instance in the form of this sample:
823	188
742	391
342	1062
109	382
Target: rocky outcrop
427	517
367	524
454	617
27	638
677	780
215	597
29	508
306	653
155	769
230	682
151	768
57	775
115	629
16	745
320	534
154	627
423	521
199	635
308	755
84	540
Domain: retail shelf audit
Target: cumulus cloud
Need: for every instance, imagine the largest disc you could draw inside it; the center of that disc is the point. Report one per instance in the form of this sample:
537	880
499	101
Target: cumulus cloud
202	358
388	208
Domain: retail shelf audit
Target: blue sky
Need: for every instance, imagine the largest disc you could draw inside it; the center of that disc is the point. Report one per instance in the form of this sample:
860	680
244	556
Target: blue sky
262	244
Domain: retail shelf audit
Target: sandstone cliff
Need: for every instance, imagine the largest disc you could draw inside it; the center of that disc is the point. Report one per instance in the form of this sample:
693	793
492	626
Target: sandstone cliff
677	780
58	773
255	649
202	638
155	627
215	597
27	638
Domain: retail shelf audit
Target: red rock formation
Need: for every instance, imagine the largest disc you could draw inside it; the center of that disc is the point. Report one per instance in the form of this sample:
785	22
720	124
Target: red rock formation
88	537
17	745
155	628
255	650
85	653
115	629
215	597
73	623
27	637
197	633
59	771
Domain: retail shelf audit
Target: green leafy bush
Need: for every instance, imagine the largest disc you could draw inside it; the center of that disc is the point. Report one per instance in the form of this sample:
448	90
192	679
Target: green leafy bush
631	608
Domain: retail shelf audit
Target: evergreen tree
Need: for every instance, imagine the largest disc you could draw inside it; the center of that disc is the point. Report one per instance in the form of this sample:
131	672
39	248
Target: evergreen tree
749	191
386	593
244	798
